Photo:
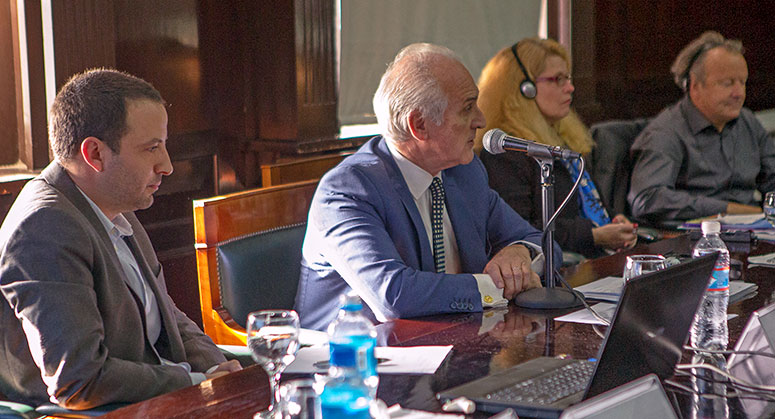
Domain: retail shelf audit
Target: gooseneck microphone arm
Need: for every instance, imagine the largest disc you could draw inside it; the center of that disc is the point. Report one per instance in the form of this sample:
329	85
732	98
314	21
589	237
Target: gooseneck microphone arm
495	142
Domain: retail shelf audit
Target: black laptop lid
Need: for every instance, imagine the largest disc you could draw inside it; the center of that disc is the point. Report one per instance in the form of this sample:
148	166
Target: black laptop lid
651	324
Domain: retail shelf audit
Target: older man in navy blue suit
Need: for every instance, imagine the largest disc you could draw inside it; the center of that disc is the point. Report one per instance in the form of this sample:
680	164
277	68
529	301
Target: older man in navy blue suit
409	221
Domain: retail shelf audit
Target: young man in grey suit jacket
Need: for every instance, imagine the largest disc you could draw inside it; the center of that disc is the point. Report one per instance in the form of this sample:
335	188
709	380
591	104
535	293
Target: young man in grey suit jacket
86	319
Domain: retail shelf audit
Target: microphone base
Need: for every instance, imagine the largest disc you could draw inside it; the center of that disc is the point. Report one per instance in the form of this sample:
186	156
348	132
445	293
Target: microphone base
547	299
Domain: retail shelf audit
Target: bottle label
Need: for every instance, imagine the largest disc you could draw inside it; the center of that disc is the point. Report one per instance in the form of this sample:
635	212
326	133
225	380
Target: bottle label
355	352
719	279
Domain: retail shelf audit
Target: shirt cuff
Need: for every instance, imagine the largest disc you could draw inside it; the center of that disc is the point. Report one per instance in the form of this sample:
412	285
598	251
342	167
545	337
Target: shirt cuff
491	295
197	377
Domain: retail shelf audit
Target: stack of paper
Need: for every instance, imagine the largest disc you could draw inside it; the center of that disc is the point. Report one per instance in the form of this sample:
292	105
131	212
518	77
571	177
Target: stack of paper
604	289
604	310
733	222
767	261
609	289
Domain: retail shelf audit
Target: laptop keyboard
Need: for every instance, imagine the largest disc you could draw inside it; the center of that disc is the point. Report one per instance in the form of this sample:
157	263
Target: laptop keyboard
549	387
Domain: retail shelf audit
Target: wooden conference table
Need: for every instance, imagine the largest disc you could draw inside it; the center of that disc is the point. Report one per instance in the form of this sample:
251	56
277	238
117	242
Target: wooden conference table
478	347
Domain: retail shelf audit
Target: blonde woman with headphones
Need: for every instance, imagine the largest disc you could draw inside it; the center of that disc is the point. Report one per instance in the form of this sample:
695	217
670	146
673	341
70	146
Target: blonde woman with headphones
526	90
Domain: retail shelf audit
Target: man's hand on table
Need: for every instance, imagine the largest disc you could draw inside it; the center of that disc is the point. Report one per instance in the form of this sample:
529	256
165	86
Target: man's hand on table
510	271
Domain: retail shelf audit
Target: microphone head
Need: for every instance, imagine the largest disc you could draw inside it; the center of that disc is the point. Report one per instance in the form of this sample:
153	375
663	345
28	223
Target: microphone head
493	141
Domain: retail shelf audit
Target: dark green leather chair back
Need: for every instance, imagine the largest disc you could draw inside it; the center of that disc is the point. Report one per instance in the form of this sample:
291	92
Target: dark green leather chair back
260	271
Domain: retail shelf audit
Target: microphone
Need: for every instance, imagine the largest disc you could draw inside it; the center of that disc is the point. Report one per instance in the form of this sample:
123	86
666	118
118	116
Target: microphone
496	141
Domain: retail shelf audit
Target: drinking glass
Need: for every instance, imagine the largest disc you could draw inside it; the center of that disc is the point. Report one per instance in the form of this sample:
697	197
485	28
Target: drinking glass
768	206
301	399
641	264
273	339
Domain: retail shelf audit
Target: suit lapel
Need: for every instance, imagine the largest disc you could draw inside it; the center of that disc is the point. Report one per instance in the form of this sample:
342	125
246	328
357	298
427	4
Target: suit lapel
163	345
399	185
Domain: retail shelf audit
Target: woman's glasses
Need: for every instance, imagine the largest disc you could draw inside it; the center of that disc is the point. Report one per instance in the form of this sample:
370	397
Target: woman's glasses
560	80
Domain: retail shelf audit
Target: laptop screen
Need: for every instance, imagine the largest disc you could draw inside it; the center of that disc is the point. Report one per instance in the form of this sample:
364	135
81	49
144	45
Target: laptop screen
757	369
651	324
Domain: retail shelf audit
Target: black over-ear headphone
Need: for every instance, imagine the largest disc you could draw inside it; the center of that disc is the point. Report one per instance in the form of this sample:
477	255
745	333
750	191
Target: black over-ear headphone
685	79
527	87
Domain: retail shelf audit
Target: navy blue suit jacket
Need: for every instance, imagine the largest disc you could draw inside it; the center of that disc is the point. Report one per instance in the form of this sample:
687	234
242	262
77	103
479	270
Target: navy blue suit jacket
365	233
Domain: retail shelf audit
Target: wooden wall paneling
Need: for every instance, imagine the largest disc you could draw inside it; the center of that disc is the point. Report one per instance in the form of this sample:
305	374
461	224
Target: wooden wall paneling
84	36
635	43
296	84
291	81
316	69
274	60
31	112
159	42
585	99
227	40
8	124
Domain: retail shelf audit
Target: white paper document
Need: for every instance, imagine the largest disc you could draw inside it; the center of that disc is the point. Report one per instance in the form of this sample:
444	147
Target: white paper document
391	359
605	310
396	412
609	289
764	235
767	260
604	289
741	218
309	337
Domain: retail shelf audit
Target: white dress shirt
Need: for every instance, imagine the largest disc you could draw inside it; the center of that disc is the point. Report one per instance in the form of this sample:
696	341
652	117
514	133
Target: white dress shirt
418	181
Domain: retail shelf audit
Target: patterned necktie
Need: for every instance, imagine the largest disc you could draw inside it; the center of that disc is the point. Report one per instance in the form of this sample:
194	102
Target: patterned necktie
437	223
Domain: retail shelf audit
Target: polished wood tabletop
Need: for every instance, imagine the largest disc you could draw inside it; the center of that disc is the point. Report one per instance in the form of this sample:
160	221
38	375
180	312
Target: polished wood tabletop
483	343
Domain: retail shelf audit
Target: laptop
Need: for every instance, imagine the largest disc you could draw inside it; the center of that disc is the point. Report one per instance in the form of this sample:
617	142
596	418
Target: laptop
647	333
643	398
758	336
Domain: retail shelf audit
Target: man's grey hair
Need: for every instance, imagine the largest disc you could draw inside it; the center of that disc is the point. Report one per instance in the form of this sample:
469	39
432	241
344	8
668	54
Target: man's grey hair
409	84
691	59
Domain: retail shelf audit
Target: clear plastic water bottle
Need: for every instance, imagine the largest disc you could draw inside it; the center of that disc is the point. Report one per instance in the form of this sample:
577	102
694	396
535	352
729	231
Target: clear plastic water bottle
353	379
709	330
704	382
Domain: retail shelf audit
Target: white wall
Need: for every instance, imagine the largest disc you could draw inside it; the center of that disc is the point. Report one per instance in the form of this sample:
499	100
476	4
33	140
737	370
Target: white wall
373	31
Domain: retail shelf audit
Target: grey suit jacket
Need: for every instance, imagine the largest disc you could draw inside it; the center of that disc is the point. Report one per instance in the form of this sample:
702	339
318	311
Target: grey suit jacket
72	330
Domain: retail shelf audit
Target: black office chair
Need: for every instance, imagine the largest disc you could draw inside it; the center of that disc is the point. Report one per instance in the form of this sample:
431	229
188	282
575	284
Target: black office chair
611	165
610	162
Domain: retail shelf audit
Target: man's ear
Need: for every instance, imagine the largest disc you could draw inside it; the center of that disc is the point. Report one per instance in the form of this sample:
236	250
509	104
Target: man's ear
418	125
93	152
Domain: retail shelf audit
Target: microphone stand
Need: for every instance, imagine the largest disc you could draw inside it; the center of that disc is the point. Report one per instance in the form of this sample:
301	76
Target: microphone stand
549	297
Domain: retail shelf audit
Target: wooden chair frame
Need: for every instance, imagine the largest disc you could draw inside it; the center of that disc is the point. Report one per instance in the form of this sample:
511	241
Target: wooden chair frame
221	218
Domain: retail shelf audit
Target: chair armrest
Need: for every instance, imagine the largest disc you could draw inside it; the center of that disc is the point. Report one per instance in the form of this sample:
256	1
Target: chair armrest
50	409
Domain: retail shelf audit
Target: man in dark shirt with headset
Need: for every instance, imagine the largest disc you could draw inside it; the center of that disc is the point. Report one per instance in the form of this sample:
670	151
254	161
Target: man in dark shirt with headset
706	154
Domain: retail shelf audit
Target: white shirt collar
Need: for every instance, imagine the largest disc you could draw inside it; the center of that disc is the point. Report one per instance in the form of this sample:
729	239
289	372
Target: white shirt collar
120	223
417	179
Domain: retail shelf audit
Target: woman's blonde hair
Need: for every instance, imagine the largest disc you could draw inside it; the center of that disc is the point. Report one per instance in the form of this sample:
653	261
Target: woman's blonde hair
505	108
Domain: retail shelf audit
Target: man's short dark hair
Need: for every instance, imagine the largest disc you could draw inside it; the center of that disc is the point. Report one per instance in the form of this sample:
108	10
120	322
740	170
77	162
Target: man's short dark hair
94	104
